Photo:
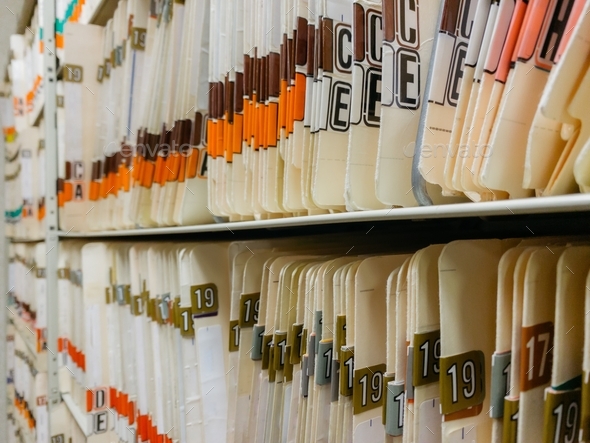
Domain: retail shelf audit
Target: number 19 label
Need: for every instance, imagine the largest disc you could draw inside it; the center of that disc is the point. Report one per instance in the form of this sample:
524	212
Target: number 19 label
562	416
462	381
367	392
204	300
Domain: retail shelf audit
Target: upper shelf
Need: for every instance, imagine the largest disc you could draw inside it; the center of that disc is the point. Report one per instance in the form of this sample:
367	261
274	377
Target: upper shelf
507	208
103	12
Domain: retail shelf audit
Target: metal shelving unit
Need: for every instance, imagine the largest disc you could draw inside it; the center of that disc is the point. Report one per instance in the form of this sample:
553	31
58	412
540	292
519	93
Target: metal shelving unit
506	208
561	208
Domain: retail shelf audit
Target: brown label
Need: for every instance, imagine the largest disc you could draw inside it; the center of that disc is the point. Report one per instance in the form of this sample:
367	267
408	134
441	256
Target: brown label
301	42
368	389
73	73
562	416
536	356
462	381
249	307
234	336
389	20
359	32
426	358
328	44
274	74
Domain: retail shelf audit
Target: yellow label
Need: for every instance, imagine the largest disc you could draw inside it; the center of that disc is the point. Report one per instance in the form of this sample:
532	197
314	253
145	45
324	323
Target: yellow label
176	312
562	415
204	300
426	358
185	322
108	296
63	273
340	339
100	73
346	371
272	372
368	391
288	368
280	343
585	422
462	381
266	348
296	343
234	335
137	38
510	420
137	305
249	307
73	73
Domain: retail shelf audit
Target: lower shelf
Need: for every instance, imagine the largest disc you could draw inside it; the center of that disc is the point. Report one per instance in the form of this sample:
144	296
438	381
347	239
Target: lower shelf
78	415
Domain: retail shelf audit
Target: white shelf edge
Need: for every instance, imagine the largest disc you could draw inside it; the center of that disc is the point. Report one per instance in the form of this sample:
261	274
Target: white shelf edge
78	415
25	240
540	205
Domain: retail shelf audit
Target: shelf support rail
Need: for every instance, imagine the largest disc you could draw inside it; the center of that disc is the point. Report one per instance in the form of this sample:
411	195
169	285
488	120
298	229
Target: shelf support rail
51	222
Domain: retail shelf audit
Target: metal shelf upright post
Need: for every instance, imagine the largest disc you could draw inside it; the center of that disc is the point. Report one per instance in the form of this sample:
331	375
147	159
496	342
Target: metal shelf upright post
51	222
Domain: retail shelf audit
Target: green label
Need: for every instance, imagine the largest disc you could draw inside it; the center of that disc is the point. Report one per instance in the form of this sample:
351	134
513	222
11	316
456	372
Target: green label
396	400
500	382
324	360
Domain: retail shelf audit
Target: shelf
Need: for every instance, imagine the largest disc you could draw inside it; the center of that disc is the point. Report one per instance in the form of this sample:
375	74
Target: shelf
103	12
503	208
25	240
78	415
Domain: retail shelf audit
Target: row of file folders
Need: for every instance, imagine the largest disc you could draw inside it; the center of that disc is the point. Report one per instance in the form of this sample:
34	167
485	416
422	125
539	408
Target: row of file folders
306	341
176	112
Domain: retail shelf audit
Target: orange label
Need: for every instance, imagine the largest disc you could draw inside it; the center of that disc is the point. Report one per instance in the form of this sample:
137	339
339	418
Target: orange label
511	40
238	128
536	355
